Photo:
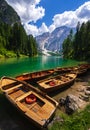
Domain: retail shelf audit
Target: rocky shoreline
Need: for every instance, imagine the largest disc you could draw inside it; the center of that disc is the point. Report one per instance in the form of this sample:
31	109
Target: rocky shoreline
72	103
75	98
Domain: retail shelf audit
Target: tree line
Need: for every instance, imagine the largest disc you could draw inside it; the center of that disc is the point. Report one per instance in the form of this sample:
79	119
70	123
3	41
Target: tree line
14	41
77	46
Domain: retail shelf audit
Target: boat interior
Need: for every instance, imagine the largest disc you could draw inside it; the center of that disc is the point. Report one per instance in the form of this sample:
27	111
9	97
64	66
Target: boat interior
57	80
41	108
34	75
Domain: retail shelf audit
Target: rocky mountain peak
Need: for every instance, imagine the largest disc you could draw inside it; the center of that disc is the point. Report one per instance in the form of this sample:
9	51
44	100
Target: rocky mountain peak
53	41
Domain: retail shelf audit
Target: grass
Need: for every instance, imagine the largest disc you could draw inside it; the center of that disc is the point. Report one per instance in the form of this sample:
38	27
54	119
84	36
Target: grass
77	121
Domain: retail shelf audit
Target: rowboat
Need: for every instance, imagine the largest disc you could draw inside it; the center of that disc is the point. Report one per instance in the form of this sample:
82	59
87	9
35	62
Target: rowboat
36	106
84	65
82	69
50	84
39	75
61	70
35	75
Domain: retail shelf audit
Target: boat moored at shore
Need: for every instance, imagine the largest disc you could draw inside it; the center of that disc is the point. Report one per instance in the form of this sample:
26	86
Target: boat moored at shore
38	107
50	84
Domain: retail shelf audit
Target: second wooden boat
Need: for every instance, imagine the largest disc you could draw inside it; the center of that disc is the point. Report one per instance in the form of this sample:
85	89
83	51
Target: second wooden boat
82	69
57	82
35	75
62	70
36	106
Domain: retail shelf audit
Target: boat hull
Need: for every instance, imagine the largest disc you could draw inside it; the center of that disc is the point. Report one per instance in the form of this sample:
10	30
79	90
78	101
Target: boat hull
39	112
35	75
45	85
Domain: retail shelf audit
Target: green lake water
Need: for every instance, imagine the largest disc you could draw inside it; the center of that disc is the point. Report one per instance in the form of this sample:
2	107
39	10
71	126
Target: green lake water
13	67
16	66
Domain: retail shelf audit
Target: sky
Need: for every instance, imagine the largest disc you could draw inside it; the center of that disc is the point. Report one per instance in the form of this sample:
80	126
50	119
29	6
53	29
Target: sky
40	16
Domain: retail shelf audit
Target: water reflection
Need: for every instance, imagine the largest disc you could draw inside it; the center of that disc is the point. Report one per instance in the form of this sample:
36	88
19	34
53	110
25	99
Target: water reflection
16	66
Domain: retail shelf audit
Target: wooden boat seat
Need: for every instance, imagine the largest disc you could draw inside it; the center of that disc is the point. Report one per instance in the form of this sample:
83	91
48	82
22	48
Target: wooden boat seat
17	86
35	117
37	114
45	111
22	107
23	96
29	113
17	92
35	105
32	105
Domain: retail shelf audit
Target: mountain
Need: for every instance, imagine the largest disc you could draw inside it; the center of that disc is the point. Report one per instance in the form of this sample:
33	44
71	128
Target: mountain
53	41
7	13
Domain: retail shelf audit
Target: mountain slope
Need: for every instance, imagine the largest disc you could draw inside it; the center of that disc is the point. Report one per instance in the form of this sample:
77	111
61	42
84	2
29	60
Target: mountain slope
53	41
7	13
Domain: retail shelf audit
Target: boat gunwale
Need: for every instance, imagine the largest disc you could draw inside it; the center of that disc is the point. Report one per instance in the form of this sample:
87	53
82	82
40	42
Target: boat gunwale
43	94
16	103
55	87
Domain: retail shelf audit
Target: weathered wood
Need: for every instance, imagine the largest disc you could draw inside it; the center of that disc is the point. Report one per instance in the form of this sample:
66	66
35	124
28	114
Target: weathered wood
57	82
35	75
40	111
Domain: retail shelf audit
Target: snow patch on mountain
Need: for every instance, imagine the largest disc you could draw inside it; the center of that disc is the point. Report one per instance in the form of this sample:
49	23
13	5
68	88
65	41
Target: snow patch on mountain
52	41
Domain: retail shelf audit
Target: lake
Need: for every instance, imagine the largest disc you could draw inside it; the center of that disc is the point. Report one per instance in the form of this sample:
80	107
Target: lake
16	66
12	119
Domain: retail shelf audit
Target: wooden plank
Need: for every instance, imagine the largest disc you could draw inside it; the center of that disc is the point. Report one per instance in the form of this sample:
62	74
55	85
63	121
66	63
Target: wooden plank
17	86
16	94
31	114
23	96
35	118
22	107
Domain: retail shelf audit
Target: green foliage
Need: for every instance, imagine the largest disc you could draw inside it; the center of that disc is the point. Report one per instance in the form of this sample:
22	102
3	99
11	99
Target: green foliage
78	46
14	41
31	46
78	121
7	13
68	46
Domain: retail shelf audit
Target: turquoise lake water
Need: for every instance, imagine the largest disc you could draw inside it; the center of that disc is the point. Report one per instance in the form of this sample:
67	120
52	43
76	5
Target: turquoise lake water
16	66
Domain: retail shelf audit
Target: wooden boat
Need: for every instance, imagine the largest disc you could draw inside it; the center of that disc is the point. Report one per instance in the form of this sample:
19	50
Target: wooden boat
82	69
36	106
35	75
61	70
85	66
44	73
57	82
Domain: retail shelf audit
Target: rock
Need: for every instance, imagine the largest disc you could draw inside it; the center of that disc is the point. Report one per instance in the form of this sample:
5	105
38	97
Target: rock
84	97
71	104
71	107
81	89
88	88
87	92
62	101
58	118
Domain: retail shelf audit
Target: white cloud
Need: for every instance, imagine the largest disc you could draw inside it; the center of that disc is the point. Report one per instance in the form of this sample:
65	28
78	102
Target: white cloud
83	12
43	29
32	29
68	18
71	18
31	11
51	27
28	10
12	2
